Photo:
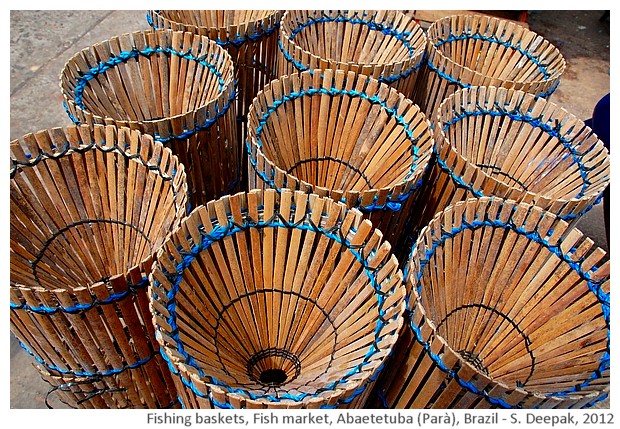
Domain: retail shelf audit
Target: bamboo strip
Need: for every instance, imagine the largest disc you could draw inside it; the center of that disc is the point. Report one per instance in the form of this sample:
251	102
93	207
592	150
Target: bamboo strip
179	89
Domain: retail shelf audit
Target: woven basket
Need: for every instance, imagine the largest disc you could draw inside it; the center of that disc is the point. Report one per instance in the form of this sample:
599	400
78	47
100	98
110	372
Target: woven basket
175	86
472	50
249	36
509	308
510	144
344	136
386	45
267	300
89	209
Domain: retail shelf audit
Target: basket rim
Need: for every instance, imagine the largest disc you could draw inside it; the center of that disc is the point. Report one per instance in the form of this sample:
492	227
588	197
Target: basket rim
544	87
396	191
349	381
406	66
178	186
271	16
442	142
413	274
225	97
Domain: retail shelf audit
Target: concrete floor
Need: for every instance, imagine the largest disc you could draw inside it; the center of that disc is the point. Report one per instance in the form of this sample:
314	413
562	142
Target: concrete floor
42	41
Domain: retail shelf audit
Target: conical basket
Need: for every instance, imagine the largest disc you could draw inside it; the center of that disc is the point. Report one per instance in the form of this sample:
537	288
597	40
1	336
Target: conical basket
513	145
178	87
509	308
471	50
267	300
89	209
385	45
345	136
249	36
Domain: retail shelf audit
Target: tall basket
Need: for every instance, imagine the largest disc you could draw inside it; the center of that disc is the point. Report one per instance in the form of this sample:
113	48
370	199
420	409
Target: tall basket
513	145
249	36
267	300
89	209
471	50
385	45
509	308
345	136
178	87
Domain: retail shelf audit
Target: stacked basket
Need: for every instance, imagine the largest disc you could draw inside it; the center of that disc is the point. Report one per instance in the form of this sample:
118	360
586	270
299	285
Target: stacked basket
89	208
469	50
177	87
345	136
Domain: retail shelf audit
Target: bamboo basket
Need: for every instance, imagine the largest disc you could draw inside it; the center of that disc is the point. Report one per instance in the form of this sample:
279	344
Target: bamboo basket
509	308
345	136
89	209
178	87
510	144
385	45
471	50
267	300
249	36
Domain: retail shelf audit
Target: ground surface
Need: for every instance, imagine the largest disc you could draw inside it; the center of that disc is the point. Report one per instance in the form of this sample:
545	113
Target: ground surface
42	41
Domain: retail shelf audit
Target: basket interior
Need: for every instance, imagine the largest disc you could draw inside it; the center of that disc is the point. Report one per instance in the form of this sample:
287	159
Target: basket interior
344	142
83	218
496	48
354	37
278	310
514	310
526	153
147	78
285	331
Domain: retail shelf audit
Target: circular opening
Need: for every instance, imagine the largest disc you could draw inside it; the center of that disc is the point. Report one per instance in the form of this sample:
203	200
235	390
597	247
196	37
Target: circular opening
273	367
273	377
127	87
514	55
280	334
526	152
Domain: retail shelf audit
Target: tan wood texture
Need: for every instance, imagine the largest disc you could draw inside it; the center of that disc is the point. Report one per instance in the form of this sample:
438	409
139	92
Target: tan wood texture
515	306
286	283
176	86
89	209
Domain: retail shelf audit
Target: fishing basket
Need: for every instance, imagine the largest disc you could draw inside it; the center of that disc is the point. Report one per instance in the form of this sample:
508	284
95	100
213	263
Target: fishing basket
276	300
513	145
178	87
249	36
385	45
472	50
508	308
345	136
89	208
